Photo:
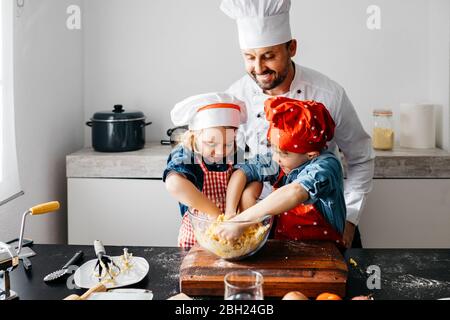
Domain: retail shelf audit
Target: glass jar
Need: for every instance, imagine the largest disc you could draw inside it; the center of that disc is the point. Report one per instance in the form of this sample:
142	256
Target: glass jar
383	130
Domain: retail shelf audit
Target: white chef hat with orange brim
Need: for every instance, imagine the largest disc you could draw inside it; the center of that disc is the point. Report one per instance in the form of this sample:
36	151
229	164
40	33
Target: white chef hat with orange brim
261	23
209	110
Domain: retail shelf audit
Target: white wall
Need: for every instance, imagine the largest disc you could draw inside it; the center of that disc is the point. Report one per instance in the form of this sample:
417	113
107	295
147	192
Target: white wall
49	115
150	54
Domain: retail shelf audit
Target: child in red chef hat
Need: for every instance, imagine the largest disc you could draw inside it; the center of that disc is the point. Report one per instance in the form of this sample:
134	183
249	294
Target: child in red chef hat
308	192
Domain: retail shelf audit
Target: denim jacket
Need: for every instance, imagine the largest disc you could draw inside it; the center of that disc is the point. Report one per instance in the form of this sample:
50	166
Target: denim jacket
321	177
185	162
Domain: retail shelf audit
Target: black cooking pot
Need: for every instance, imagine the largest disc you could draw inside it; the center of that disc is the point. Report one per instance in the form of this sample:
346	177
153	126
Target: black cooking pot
118	131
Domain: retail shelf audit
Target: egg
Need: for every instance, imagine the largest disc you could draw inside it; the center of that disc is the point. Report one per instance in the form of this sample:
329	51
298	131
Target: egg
363	298
295	295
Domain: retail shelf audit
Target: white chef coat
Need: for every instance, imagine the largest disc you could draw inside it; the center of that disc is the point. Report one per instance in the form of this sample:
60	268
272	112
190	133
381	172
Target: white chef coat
350	136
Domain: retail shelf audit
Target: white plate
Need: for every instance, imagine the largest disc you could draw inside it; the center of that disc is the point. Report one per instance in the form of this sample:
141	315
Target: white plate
85	276
122	294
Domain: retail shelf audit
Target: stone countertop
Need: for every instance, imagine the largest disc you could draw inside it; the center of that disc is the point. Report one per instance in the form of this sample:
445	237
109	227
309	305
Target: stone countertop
412	163
149	163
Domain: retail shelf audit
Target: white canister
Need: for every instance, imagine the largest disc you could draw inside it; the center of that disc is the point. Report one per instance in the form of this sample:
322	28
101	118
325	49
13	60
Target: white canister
417	126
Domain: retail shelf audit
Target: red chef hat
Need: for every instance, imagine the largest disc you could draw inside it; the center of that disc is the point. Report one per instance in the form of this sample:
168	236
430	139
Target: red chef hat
303	126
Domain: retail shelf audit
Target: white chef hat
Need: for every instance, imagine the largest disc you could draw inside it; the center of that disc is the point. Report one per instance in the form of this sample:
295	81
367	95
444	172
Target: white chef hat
209	110
261	23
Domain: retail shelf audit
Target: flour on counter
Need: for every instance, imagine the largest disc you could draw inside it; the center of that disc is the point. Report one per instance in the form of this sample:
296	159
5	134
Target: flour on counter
168	261
410	281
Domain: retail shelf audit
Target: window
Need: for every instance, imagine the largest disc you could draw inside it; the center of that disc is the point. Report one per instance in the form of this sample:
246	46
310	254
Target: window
9	176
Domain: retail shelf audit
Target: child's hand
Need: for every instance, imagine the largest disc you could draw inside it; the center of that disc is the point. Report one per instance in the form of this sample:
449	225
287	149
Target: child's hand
230	214
231	231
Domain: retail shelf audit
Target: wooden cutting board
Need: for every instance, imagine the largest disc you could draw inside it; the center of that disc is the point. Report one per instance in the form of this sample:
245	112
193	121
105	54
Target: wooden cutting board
309	267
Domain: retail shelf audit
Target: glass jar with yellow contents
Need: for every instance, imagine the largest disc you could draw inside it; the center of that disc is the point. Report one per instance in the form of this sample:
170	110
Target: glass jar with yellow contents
383	130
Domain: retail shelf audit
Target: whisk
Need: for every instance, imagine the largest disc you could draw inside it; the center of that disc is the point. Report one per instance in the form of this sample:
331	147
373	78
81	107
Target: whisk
104	263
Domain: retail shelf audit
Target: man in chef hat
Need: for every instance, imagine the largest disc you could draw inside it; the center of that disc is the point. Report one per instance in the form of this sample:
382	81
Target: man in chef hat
268	47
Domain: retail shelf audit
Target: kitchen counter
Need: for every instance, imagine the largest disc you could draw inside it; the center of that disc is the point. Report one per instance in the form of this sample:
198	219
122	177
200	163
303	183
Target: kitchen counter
412	163
405	274
149	163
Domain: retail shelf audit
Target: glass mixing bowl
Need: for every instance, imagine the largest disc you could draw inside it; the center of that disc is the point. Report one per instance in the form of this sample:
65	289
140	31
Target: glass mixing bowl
252	239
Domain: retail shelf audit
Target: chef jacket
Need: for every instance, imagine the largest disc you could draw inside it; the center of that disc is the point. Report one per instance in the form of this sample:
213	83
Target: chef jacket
182	161
321	177
350	136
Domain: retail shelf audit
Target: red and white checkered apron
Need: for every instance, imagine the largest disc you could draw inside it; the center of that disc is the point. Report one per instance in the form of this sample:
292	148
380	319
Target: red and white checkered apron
215	188
304	222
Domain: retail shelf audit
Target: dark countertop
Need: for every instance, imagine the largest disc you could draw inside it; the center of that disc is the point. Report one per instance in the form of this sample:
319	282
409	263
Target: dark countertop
405	274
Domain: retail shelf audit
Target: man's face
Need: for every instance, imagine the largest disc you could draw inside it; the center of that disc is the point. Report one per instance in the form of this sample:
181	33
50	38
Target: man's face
269	66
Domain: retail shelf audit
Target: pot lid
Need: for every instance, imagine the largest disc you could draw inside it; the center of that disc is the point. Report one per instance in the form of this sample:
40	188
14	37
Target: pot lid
118	113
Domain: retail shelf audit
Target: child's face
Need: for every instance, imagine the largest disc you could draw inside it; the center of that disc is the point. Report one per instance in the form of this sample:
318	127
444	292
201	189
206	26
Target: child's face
288	161
214	144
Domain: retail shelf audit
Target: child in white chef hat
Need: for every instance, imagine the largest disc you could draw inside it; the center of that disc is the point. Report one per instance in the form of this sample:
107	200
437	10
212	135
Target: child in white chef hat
198	170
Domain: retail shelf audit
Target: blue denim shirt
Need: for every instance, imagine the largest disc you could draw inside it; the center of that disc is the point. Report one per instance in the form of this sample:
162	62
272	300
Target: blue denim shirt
183	161
321	177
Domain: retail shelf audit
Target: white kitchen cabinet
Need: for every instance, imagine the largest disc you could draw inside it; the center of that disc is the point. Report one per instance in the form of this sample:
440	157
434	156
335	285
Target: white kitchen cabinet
407	213
137	212
400	213
120	198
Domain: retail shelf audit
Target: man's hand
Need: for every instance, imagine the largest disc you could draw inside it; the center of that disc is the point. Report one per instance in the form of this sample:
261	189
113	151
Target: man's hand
349	233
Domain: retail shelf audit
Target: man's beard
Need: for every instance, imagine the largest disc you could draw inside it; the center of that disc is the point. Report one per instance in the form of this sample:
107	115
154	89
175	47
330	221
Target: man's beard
279	79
